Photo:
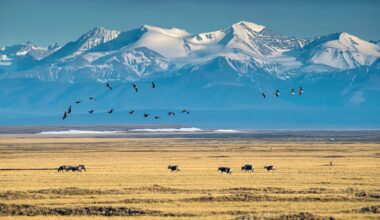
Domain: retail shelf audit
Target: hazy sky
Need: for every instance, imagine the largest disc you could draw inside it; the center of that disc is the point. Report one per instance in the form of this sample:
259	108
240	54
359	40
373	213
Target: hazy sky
47	21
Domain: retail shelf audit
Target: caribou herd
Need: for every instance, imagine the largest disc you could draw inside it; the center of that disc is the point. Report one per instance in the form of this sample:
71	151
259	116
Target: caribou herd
78	168
173	168
228	170
245	168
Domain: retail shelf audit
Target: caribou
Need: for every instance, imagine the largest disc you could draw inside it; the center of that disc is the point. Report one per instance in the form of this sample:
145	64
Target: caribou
247	167
225	170
173	168
61	168
270	168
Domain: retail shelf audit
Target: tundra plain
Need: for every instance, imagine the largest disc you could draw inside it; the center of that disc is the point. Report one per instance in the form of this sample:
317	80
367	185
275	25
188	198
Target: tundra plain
127	177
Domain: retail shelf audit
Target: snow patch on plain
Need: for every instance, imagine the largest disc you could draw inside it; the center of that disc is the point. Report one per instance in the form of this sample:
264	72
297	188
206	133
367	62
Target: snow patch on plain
80	132
226	130
167	129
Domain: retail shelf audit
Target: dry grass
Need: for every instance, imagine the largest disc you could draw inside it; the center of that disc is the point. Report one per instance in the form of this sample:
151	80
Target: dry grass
128	177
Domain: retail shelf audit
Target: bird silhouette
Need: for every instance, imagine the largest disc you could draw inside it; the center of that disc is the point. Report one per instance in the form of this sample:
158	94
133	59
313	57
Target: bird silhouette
171	114
131	112
91	111
110	111
157	117
108	86
64	116
153	85
69	110
135	87
185	111
78	101
277	93
92	98
146	115
292	91
300	91
264	95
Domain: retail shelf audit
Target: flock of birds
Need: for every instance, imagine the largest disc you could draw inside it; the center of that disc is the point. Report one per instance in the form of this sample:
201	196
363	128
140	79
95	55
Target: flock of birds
277	92
110	111
170	114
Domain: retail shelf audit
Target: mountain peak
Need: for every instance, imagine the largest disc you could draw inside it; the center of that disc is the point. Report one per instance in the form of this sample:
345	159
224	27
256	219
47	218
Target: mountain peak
347	36
245	24
173	32
94	37
100	32
342	51
355	43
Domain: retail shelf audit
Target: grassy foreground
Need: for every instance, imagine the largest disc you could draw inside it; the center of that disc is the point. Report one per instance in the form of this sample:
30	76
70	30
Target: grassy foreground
128	177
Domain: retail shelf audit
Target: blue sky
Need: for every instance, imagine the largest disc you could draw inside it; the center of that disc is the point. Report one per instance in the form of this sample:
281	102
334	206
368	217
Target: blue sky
47	21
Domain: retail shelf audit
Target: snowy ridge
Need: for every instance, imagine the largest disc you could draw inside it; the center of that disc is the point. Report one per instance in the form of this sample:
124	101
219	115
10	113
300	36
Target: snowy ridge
248	25
16	57
243	48
167	42
341	51
95	37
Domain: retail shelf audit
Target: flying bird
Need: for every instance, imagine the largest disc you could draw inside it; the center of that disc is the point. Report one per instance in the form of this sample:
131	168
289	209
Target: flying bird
64	116
131	112
292	91
277	93
171	113
78	101
92	98
264	95
153	85
108	86
300	91
110	111
146	115
185	111
69	110
157	117
91	111
135	87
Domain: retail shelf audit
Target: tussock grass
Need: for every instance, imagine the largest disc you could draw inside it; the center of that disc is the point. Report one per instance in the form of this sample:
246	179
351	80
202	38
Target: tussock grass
266	198
295	216
17	195
302	216
371	209
30	210
76	191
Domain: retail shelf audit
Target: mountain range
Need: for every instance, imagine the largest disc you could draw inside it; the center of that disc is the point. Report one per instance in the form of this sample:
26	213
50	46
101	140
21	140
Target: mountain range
219	75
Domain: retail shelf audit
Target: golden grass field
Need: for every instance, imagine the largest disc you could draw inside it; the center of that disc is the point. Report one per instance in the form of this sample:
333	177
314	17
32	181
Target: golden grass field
129	177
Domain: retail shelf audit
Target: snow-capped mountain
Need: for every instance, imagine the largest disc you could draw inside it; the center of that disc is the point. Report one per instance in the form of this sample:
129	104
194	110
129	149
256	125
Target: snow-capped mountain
18	57
85	43
341	51
149	51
